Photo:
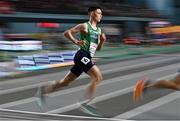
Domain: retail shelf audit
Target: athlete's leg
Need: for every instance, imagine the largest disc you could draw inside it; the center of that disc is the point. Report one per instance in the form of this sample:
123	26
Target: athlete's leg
61	83
170	84
53	87
176	80
96	78
75	72
71	76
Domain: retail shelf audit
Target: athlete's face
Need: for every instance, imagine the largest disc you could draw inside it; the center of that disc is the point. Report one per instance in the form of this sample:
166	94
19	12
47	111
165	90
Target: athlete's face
97	15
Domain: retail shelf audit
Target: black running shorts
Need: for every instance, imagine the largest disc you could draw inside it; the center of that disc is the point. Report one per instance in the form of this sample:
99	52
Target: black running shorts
82	62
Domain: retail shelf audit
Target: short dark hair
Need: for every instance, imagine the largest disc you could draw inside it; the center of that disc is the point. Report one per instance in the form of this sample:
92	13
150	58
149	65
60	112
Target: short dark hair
93	8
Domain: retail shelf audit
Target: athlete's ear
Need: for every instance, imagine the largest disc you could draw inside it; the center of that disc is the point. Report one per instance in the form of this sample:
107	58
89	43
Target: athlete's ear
91	13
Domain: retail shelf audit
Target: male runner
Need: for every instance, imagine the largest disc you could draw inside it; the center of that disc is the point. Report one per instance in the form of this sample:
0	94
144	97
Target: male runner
143	84
91	39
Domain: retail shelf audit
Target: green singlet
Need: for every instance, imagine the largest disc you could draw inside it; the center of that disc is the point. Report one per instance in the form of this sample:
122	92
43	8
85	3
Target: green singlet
92	39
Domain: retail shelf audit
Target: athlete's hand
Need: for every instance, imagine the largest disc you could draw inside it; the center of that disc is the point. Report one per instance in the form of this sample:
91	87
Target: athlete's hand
80	43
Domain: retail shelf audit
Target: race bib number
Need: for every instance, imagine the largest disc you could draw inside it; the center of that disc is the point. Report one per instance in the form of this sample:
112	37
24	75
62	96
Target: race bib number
92	49
85	60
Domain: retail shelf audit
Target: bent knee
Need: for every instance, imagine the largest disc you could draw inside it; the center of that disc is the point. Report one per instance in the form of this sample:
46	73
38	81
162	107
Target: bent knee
99	79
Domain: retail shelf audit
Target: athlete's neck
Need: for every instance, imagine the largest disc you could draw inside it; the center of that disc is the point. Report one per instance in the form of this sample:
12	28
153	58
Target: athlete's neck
93	23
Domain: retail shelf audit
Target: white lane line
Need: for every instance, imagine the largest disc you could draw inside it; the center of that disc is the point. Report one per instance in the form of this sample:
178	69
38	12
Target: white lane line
143	59
130	62
101	98
23	88
104	72
135	65
97	99
19	102
82	87
58	115
167	55
15	118
114	80
149	106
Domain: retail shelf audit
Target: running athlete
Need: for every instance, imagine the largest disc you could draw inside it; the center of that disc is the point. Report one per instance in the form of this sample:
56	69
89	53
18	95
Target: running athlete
145	83
91	39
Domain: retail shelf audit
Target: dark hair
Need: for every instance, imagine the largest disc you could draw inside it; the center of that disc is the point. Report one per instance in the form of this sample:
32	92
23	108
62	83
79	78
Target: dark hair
93	8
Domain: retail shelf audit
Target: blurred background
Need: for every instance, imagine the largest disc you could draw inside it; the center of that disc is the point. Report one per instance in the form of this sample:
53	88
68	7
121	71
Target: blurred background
143	40
30	27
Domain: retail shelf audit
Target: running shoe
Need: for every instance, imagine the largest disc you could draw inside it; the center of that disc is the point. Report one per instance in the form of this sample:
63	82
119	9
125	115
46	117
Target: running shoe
40	96
91	110
139	89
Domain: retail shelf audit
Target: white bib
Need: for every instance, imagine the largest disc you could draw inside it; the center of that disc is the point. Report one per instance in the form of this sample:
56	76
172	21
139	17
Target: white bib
92	49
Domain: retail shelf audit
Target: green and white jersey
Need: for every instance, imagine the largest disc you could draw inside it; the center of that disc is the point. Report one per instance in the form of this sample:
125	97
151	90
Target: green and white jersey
92	39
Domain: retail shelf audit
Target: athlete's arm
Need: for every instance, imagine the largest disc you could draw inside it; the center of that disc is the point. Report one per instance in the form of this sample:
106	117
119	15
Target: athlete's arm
69	34
102	39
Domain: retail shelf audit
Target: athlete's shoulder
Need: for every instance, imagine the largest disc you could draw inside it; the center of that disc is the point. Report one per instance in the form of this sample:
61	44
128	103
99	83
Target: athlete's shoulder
83	25
83	28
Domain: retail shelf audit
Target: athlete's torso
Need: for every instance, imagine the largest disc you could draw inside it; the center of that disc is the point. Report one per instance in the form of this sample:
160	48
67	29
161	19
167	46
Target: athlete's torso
92	39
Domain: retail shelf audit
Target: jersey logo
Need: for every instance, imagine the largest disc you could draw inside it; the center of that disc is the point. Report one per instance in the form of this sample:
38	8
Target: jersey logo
85	60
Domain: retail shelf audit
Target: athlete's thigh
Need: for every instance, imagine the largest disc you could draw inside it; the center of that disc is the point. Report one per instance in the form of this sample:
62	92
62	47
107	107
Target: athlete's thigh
95	72
69	77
